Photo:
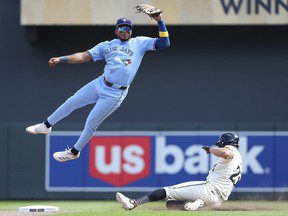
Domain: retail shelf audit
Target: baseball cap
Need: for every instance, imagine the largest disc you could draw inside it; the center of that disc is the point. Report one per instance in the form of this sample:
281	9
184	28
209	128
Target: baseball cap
124	22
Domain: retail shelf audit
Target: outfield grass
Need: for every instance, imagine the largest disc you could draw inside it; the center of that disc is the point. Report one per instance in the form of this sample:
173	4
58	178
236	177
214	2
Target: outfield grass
110	208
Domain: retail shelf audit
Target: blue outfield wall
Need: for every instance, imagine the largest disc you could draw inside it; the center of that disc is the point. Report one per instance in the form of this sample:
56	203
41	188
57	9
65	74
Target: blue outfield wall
137	157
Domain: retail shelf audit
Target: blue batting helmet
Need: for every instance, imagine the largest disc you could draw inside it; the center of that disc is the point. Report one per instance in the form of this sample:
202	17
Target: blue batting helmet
124	22
228	139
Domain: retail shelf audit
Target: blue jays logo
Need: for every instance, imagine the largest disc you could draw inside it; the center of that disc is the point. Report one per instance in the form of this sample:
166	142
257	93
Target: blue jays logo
127	61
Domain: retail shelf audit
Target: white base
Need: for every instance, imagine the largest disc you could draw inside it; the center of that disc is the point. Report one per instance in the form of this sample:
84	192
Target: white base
38	208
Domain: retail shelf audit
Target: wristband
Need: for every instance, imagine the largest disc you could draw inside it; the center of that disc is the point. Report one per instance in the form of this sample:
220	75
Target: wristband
64	59
162	29
163	34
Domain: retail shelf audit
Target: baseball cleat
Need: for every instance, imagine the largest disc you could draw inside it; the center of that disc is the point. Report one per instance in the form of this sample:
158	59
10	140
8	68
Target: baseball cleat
38	129
66	155
127	204
192	206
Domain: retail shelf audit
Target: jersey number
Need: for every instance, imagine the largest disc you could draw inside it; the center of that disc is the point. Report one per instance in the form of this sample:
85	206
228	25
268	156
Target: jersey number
236	177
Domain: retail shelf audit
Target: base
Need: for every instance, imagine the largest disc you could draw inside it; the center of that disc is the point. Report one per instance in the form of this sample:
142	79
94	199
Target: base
38	208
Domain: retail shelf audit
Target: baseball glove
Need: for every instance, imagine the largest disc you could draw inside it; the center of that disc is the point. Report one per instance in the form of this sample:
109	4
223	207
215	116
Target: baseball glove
149	10
207	149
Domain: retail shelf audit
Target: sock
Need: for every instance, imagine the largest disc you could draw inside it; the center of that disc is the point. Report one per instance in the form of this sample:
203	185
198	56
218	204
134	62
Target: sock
142	200
48	125
157	195
151	197
74	151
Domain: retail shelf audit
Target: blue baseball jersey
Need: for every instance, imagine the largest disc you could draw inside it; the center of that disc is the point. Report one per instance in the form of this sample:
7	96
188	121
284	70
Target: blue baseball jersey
122	58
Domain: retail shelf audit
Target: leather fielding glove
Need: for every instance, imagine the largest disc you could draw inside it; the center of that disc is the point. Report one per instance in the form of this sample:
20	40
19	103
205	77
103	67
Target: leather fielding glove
207	149
148	10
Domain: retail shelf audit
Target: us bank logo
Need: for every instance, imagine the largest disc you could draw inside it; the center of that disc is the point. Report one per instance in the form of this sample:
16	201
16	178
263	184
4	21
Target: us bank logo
143	161
120	160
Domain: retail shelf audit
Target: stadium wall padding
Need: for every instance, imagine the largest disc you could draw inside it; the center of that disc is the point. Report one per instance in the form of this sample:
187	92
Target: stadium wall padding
23	159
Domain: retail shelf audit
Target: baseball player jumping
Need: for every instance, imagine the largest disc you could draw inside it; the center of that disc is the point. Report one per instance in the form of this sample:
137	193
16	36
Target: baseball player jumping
123	57
192	195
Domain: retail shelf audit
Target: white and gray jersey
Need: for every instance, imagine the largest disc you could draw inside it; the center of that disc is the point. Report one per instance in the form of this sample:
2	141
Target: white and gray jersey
226	173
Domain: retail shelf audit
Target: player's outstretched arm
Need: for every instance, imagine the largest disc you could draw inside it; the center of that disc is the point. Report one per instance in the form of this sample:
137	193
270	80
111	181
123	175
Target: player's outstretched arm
163	41
219	152
80	57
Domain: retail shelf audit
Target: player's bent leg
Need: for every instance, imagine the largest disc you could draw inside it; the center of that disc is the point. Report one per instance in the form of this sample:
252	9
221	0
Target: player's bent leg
102	109
84	96
196	194
186	191
40	128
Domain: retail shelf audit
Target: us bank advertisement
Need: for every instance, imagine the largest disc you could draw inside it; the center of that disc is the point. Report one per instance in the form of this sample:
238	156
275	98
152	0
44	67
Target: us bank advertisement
143	161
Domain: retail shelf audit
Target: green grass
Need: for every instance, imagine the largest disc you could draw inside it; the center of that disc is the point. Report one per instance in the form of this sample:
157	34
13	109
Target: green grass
110	208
